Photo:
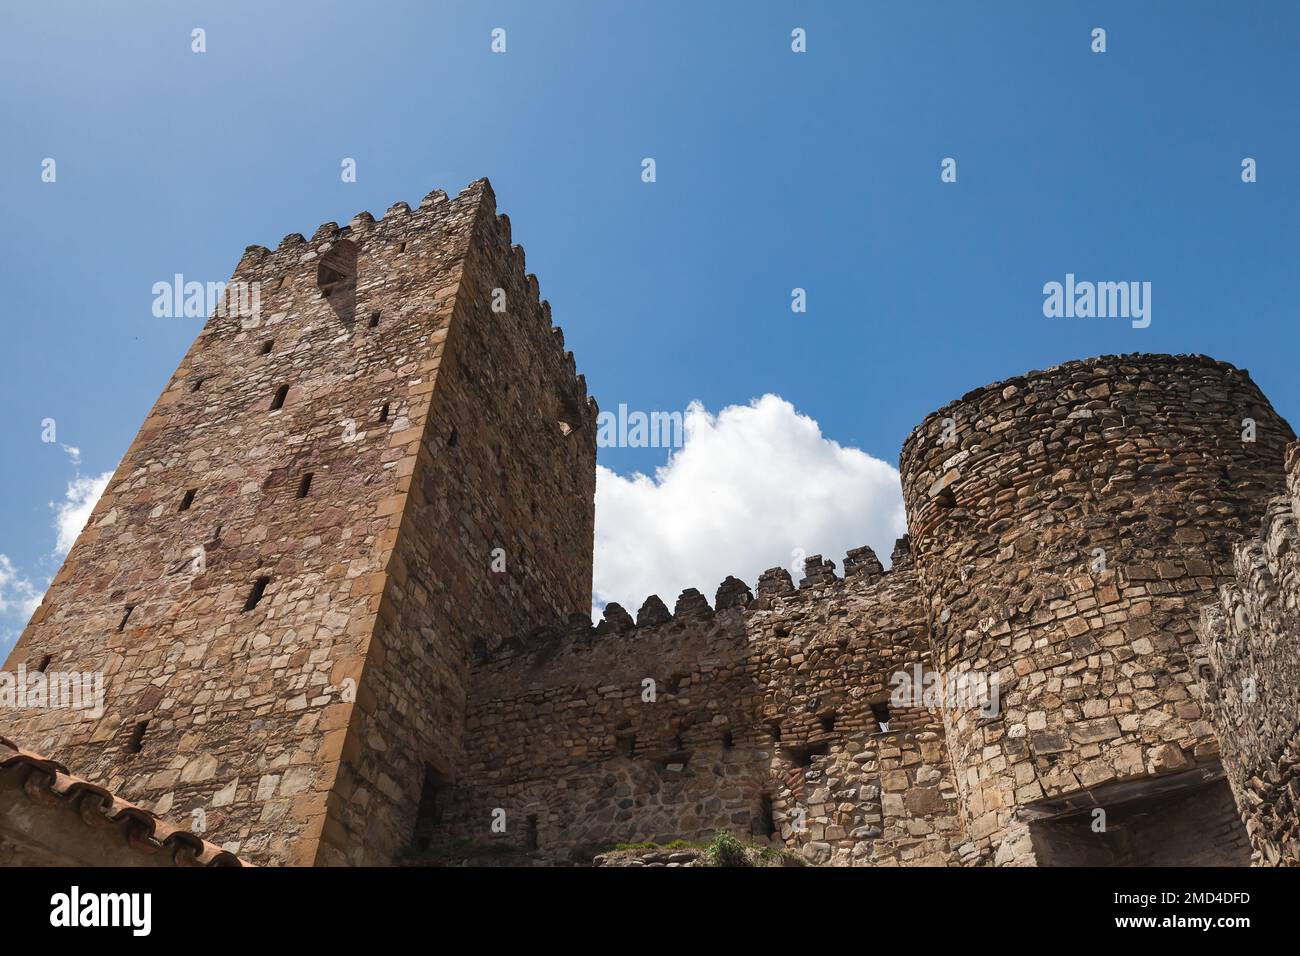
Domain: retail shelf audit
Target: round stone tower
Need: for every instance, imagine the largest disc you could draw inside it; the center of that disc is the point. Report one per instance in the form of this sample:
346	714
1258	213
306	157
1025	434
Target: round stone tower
1067	525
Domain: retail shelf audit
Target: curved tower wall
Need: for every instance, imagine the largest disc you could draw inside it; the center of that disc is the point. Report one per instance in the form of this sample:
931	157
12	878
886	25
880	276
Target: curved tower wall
1067	526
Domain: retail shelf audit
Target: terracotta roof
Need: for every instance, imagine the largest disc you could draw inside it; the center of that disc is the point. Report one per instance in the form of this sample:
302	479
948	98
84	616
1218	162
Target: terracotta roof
49	783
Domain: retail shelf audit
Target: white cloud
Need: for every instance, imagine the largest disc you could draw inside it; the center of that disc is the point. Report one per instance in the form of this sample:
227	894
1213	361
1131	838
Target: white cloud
17	594
72	513
749	486
19	598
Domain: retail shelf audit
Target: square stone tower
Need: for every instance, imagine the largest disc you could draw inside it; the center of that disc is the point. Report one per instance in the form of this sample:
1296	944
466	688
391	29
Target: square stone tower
377	455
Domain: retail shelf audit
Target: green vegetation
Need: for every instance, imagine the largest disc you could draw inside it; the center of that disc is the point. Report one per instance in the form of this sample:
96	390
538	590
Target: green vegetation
726	850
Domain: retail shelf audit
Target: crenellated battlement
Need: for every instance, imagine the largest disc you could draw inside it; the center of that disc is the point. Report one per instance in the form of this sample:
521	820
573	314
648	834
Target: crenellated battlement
863	570
414	236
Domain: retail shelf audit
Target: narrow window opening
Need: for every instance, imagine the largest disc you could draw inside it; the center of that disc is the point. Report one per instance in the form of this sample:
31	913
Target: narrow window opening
428	814
255	595
774	728
946	499
267	346
45	662
401	247
881	712
765	824
530	834
304	486
126	616
452	439
626	745
198	383
136	743
187	499
281	394
728	741
374	320
383	413
827	722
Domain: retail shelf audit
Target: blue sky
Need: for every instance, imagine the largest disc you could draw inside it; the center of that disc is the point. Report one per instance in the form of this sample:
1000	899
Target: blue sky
775	170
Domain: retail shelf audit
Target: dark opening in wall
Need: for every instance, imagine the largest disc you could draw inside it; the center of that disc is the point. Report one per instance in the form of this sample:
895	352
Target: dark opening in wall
946	499
401	247
304	486
187	499
126	616
374	320
267	346
383	413
255	595
136	742
774	728
625	744
1176	820
530	832
827	722
337	269
45	662
198	384
803	756
764	824
453	439
880	710
429	812
281	394
728	741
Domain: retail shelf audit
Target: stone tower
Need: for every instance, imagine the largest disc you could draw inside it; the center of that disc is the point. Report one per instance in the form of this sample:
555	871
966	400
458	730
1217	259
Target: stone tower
1068	527
379	456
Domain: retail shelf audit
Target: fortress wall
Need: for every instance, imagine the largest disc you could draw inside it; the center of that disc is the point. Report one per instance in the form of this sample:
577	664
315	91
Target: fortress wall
1068	524
563	729
829	651
1252	677
761	724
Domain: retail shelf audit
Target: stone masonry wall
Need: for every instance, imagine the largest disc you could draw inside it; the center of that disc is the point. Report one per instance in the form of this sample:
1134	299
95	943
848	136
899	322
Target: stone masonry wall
1252	679
1068	524
248	714
761	724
